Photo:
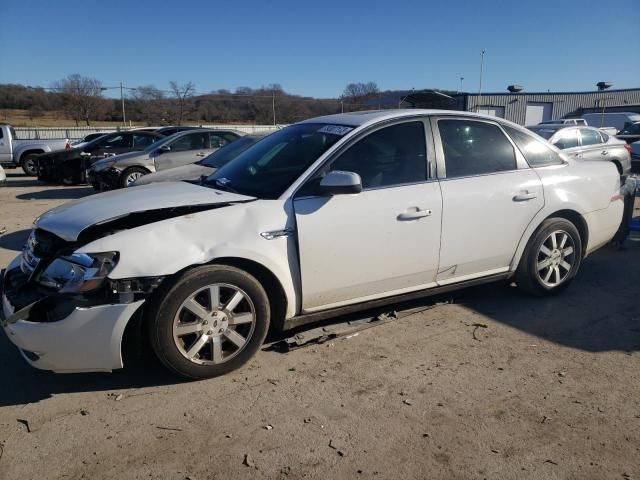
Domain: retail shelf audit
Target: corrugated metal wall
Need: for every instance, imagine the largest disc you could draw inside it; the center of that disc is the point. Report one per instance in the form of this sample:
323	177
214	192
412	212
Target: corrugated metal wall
563	103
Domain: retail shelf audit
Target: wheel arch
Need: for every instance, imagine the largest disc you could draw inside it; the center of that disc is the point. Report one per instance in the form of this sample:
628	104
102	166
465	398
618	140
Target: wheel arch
571	215
37	151
618	165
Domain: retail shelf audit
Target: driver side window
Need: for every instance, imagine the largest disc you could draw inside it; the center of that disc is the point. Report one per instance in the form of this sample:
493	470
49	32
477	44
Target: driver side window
391	156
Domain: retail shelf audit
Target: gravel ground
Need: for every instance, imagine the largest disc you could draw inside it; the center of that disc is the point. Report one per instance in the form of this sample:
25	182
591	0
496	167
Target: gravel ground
493	384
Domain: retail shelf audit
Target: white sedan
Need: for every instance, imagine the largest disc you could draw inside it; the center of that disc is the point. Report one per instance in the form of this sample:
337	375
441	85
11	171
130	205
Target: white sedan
329	215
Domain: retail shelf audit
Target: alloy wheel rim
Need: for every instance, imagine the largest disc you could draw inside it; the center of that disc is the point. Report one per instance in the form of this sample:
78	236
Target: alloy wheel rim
555	259
30	165
214	324
132	177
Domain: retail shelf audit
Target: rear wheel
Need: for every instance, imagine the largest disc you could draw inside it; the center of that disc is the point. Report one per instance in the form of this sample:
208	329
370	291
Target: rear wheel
552	258
28	164
130	175
209	321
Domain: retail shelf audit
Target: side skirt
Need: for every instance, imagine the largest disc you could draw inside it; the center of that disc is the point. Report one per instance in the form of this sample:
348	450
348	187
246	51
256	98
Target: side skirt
308	318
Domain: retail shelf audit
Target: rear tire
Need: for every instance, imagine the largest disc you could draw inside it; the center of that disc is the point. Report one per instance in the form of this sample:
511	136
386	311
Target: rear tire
28	164
130	175
209	321
551	259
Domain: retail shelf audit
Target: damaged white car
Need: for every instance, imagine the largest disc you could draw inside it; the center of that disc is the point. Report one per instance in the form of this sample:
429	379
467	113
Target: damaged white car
329	215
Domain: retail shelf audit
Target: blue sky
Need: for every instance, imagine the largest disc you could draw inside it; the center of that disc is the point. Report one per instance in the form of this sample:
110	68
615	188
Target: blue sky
316	48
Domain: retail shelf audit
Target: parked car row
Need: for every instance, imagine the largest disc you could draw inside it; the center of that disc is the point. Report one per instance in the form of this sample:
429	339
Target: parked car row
284	234
587	143
182	148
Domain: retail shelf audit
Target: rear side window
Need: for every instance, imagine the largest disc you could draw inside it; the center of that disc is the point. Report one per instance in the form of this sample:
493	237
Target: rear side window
567	138
536	153
390	156
590	137
141	140
475	148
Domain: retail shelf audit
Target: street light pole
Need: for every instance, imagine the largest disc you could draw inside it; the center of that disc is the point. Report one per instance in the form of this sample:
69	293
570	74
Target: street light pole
124	117
273	105
481	71
461	80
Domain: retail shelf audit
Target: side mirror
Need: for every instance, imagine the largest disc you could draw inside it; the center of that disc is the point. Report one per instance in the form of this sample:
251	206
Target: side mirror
162	149
338	182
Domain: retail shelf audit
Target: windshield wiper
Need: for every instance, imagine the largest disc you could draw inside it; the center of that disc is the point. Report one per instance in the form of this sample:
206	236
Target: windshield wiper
225	186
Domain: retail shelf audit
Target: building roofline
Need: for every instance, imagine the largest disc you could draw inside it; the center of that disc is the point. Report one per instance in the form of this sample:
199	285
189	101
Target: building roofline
622	90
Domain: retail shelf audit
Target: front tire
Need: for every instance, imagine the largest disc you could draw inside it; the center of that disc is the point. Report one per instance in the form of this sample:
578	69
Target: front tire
130	175
551	259
208	321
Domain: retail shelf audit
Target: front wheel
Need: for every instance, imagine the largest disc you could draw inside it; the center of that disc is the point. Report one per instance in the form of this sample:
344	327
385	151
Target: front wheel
209	321
551	259
130	175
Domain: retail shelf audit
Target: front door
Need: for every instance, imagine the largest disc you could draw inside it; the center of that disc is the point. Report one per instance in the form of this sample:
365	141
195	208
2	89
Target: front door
592	145
489	196
382	241
187	149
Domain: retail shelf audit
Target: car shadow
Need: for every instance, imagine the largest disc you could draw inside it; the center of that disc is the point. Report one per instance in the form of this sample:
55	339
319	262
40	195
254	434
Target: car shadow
599	312
14	240
68	193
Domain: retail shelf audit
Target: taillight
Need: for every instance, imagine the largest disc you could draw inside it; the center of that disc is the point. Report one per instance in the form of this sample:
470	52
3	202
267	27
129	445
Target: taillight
628	147
67	145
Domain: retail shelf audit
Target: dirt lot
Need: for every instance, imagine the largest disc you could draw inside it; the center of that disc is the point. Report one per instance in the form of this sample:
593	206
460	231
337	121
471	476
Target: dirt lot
494	385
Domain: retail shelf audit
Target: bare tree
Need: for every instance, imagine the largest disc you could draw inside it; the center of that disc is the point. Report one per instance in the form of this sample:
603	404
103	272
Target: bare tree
149	104
355	91
182	94
82	96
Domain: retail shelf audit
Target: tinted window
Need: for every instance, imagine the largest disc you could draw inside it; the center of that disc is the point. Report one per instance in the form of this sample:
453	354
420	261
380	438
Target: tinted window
140	140
192	141
475	148
590	137
567	138
535	152
1	134
116	141
220	139
630	129
390	156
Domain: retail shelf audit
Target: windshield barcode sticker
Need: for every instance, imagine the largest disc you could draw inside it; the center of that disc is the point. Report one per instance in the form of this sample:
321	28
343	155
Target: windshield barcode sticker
335	129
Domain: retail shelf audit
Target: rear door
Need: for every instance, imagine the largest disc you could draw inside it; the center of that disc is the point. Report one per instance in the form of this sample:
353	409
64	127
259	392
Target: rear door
568	141
591	144
489	197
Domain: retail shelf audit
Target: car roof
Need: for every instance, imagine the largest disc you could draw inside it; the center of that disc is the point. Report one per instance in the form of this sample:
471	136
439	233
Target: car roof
367	117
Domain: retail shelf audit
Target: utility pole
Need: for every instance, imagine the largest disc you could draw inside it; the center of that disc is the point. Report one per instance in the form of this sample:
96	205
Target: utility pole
273	105
481	71
341	106
124	117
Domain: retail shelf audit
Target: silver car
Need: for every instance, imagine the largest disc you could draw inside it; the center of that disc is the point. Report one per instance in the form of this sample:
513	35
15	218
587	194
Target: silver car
179	149
587	143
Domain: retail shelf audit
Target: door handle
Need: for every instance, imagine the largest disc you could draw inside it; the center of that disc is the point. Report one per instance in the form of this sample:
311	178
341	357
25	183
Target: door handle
414	213
604	152
524	196
200	154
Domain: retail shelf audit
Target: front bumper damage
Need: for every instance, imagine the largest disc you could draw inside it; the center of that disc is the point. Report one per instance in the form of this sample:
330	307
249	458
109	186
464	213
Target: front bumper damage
63	334
108	179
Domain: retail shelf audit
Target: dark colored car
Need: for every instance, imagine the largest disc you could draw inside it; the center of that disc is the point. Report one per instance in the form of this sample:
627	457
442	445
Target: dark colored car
68	166
166	131
630	133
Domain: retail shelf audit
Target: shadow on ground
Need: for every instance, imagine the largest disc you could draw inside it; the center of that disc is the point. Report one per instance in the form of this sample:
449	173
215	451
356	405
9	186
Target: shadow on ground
599	312
14	240
68	193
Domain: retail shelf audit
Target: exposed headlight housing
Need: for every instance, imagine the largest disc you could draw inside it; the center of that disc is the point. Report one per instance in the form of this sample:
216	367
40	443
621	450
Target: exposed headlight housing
79	272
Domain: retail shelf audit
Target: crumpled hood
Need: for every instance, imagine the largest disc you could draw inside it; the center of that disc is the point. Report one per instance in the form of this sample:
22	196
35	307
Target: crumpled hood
69	220
185	172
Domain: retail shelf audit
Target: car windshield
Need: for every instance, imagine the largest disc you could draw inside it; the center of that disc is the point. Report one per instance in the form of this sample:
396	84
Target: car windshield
230	151
544	132
267	169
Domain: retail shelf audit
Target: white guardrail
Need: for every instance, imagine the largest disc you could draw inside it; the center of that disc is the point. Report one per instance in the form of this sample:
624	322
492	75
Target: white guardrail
75	133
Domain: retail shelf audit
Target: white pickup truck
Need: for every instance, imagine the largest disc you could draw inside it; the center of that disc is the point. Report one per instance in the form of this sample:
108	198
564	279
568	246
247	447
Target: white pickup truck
21	153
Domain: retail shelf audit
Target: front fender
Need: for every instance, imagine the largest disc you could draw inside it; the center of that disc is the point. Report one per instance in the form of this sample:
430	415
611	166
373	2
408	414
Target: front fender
169	246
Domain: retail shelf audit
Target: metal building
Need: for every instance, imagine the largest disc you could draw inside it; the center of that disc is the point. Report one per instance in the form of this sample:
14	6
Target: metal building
522	107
